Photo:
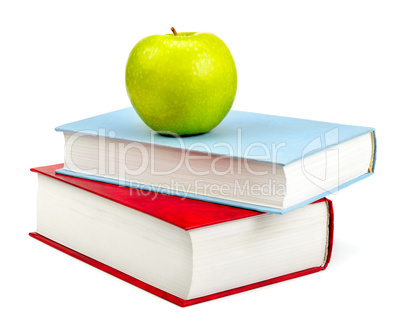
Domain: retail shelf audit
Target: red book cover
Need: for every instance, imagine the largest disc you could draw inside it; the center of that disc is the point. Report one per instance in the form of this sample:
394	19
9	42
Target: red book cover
185	213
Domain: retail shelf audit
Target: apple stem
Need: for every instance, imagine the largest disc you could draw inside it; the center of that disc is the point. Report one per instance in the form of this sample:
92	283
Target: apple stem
174	31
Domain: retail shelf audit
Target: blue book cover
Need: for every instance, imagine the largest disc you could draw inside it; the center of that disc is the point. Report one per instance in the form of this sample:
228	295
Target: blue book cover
296	139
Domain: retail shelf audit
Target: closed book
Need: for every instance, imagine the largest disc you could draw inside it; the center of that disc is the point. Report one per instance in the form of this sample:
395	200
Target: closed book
256	161
184	250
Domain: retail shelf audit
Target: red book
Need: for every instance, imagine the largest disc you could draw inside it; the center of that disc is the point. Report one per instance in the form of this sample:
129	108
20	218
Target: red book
185	251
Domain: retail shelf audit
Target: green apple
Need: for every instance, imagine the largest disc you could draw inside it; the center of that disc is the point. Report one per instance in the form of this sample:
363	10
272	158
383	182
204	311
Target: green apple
181	83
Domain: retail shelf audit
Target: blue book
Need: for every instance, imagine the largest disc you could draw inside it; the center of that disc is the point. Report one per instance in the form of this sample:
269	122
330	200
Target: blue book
261	162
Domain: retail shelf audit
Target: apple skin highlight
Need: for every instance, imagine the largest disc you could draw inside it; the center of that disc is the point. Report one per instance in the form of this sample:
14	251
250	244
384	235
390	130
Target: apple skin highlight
183	84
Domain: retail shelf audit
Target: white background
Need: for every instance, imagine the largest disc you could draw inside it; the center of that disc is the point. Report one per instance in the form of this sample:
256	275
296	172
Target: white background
338	61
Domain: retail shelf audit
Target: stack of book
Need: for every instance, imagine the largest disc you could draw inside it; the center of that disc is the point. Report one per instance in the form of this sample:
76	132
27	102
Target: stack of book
195	218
